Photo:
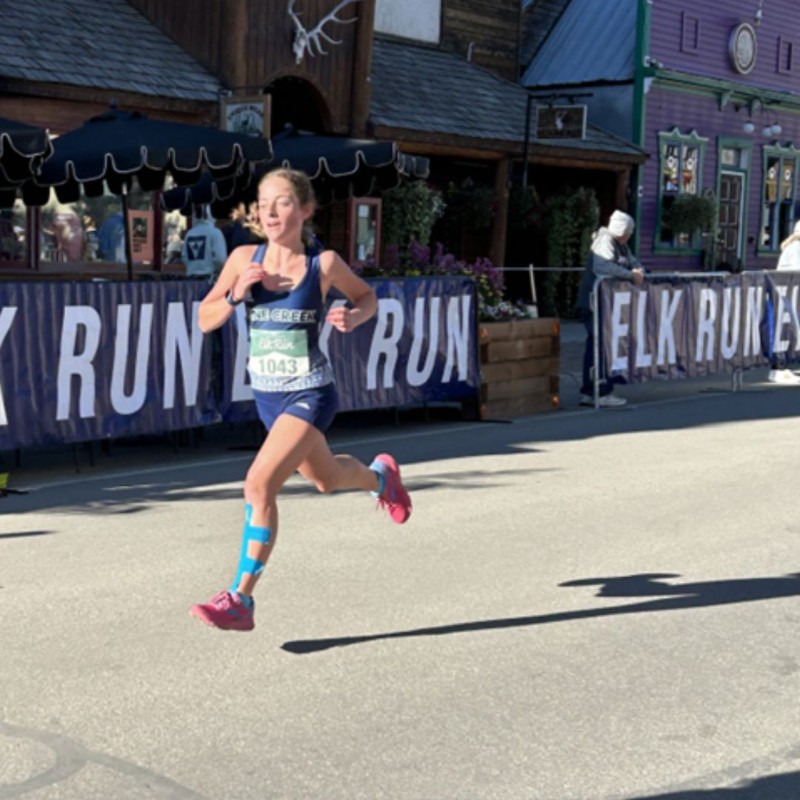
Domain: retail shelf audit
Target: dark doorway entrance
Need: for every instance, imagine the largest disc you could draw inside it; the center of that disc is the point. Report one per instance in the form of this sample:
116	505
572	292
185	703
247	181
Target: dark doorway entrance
297	103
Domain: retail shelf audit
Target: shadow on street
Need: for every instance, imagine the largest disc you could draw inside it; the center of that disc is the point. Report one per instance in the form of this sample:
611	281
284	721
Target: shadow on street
23	534
773	787
672	597
445	438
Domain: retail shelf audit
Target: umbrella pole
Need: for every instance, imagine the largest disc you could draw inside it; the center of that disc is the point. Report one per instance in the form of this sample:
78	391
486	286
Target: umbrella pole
126	221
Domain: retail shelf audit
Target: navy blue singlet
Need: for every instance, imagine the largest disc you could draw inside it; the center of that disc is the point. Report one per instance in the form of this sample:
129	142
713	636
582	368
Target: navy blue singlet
284	334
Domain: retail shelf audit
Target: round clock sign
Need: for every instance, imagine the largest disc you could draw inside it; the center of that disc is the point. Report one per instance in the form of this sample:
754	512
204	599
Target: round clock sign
742	48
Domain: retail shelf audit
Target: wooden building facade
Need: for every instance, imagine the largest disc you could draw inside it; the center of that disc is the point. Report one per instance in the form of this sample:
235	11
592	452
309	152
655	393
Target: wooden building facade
62	65
452	93
252	48
712	92
438	77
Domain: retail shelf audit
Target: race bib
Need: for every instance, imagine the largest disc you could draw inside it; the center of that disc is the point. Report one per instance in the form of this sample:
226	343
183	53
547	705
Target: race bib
276	354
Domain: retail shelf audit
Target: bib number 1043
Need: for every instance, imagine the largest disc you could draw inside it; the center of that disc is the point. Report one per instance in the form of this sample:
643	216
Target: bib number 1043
279	354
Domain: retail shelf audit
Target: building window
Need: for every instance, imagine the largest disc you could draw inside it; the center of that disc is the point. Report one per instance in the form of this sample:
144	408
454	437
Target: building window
778	196
690	33
734	157
785	56
681	163
13	236
419	20
92	230
67	237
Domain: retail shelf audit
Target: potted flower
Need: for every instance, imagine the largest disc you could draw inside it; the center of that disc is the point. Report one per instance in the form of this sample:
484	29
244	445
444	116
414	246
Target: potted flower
519	355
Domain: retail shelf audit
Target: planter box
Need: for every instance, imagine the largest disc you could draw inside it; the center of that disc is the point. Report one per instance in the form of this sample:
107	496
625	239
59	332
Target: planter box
520	365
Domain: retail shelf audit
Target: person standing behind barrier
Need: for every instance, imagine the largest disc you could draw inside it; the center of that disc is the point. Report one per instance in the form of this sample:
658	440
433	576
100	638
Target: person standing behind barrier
111	238
789	260
204	250
292	381
609	256
790	250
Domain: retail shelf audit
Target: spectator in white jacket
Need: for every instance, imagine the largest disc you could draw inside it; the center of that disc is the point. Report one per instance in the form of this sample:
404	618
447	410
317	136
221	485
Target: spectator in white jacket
611	256
789	259
790	250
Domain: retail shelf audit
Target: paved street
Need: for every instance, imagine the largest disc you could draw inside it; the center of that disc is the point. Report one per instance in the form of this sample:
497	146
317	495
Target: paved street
585	606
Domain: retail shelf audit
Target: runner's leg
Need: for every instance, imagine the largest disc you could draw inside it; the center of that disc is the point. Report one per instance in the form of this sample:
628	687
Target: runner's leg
329	472
288	444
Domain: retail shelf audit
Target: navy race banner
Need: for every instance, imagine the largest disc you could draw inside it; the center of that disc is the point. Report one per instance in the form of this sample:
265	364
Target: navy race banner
86	361
672	327
419	348
94	360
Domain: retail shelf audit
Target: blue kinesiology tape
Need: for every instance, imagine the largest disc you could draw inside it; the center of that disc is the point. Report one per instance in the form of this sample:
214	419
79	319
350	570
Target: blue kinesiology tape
250	533
377	468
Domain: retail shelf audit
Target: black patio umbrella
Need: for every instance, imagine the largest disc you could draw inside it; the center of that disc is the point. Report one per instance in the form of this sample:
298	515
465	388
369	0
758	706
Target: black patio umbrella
22	149
113	148
338	167
220	195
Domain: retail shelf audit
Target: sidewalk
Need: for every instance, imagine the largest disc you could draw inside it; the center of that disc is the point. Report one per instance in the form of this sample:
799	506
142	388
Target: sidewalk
36	465
225	441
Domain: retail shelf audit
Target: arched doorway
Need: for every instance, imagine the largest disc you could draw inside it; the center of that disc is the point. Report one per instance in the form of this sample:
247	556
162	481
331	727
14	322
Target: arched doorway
298	103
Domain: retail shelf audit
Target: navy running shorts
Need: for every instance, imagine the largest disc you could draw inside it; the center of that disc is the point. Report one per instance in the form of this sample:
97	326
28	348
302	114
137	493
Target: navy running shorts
316	406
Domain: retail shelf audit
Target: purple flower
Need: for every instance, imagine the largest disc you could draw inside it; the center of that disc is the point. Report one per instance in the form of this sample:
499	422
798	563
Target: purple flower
423	260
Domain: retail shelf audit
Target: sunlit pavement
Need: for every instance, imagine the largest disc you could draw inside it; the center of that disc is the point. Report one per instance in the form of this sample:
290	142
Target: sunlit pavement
585	605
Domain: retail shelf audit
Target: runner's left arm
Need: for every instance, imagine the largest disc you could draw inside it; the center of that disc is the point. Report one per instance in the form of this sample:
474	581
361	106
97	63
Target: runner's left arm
363	301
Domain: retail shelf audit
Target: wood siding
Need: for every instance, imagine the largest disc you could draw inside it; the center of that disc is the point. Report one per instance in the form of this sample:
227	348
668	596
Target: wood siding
685	103
667	110
201	27
537	21
715	21
247	44
490	26
62	114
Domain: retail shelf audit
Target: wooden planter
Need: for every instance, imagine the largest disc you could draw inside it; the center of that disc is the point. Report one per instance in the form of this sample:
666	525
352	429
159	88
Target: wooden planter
520	365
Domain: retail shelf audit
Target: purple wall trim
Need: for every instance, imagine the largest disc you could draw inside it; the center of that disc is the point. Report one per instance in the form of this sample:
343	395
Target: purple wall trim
780	23
667	110
695	42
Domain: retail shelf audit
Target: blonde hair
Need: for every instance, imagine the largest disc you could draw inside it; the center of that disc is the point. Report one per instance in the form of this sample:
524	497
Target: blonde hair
303	191
239	214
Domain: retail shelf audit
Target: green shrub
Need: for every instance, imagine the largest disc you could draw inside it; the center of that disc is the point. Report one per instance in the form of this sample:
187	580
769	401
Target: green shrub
571	217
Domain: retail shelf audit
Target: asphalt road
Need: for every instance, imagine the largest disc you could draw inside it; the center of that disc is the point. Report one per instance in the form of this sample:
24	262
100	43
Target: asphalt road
584	606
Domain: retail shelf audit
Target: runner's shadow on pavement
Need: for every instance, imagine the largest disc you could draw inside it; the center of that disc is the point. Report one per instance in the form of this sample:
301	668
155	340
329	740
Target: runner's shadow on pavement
671	597
771	787
24	534
120	499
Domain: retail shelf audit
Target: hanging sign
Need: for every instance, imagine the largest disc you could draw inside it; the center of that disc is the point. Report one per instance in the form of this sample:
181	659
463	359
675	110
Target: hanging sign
248	115
560	122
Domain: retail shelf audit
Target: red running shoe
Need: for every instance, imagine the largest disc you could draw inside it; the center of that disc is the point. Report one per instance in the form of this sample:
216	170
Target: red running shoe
394	498
225	611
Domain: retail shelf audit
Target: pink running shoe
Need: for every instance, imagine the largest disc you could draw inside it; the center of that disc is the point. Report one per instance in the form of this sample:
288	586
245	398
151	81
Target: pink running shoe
395	498
225	611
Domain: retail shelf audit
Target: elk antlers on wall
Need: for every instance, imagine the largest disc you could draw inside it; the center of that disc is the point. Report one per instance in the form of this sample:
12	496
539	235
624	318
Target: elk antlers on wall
309	41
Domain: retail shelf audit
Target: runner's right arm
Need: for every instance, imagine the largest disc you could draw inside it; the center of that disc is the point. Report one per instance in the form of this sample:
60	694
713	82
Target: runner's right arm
230	289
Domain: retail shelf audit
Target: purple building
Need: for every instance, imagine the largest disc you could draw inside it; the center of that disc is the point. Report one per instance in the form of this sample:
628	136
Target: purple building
711	91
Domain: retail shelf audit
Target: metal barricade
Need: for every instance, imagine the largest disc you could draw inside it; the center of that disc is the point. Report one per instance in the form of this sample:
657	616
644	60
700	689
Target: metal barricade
597	368
596	376
531	270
